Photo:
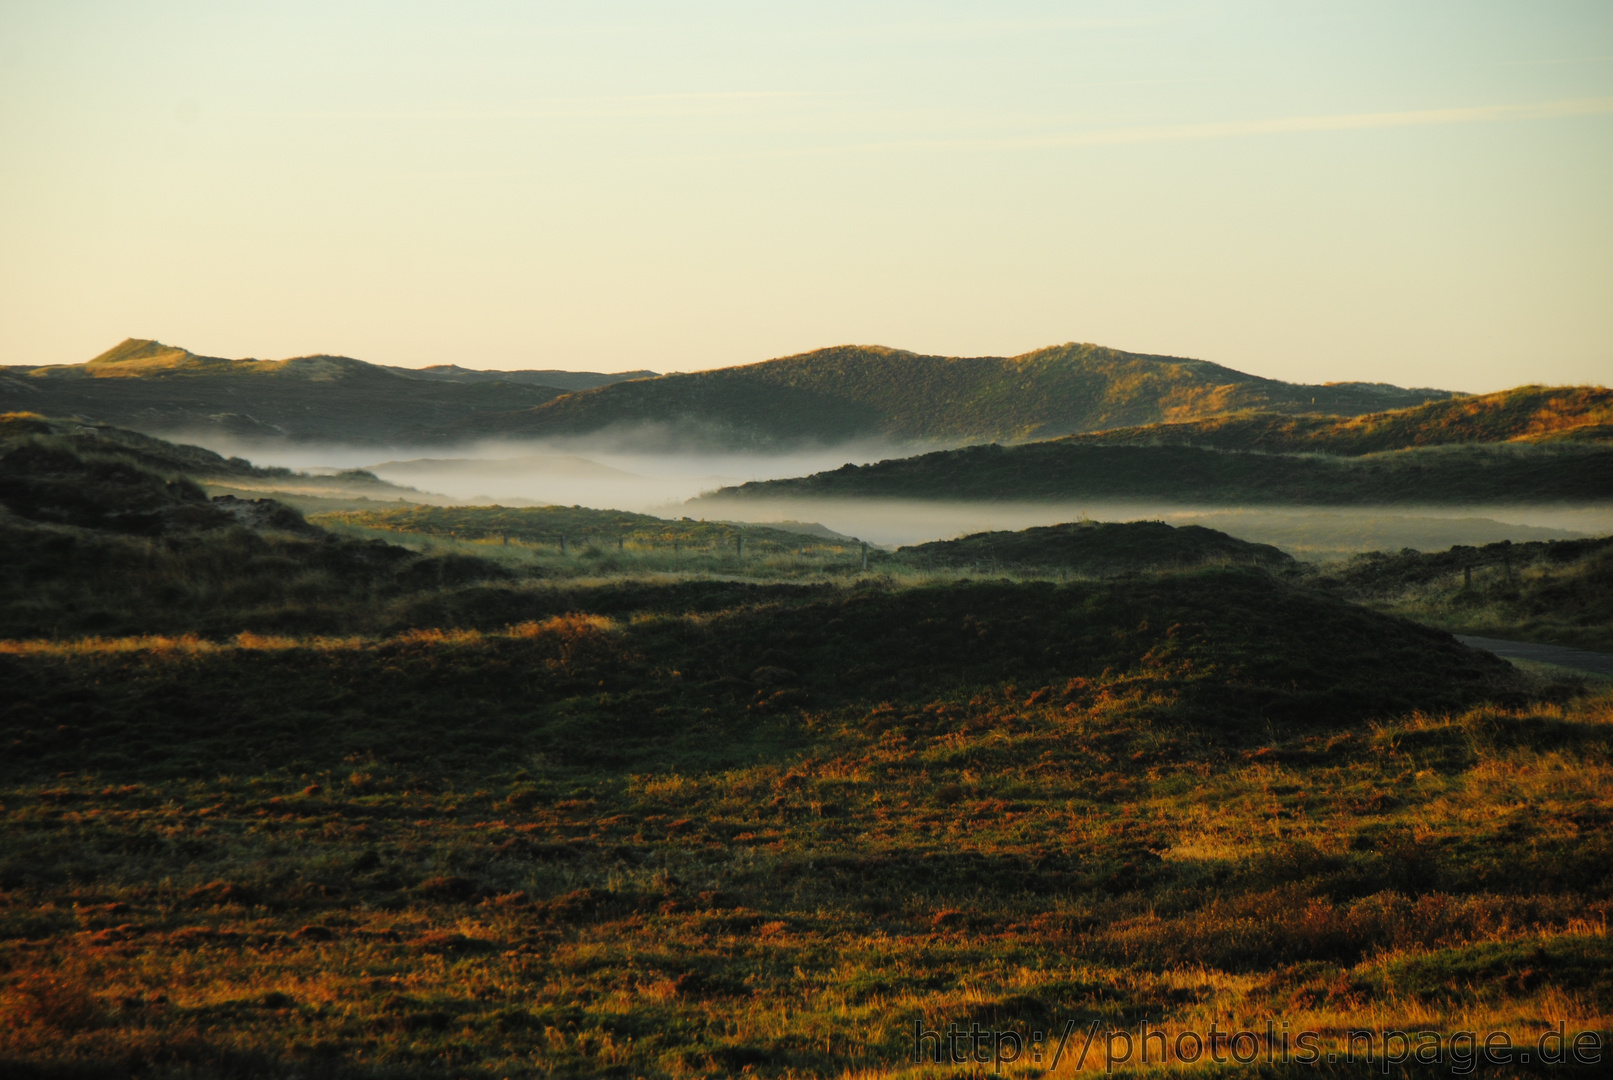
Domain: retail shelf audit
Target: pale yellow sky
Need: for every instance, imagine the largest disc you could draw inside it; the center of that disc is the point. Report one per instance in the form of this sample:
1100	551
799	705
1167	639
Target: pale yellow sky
1409	193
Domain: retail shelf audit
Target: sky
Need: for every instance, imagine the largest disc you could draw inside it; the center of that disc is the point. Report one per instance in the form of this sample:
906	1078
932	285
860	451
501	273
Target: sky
1417	193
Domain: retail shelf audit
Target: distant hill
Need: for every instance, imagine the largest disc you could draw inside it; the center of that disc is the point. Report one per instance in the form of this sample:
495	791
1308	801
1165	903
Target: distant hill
1524	414
547	377
1094	547
829	396
159	388
1062	469
864	392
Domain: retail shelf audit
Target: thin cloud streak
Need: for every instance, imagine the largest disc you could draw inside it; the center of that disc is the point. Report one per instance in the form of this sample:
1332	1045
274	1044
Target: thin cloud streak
1231	129
1348	122
549	109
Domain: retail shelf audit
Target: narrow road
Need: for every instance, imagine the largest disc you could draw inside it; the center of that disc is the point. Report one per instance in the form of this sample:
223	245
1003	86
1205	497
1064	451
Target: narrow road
1595	662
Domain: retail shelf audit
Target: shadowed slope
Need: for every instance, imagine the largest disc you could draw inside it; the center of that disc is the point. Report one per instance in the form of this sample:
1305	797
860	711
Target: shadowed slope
1193	475
108	534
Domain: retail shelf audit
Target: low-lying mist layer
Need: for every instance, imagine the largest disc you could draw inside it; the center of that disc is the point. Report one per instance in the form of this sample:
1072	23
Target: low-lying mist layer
1307	533
605	472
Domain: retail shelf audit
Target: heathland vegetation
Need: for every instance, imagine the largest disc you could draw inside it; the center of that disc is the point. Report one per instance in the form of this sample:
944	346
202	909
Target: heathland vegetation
281	799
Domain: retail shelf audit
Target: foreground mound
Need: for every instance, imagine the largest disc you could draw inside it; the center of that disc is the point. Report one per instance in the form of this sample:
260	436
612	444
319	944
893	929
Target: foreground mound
1097	548
1224	652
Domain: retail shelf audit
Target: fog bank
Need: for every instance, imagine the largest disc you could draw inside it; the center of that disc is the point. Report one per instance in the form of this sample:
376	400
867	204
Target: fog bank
605	474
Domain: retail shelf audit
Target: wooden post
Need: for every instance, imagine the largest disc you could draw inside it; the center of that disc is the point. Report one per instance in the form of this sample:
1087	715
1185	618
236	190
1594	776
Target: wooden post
865	556
1467	578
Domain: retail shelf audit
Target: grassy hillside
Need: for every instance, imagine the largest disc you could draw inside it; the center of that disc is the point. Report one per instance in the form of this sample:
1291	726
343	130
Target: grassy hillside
168	459
1560	592
1525	414
145	451
158	388
1193	475
97	540
866	391
577	542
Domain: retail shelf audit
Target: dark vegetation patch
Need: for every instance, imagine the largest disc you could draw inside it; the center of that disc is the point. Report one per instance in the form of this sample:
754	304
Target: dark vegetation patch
1097	548
1225	652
